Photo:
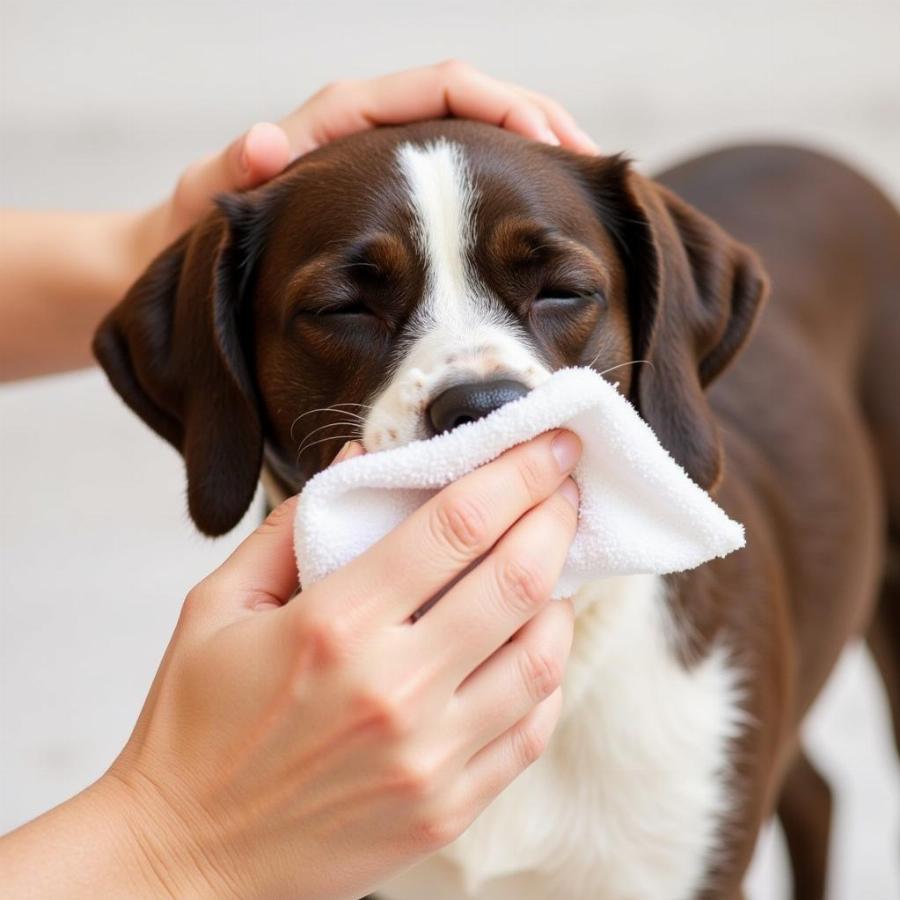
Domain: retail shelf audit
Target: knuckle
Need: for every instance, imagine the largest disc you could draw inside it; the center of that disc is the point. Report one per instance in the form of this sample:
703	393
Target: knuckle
542	673
529	743
455	68
335	89
431	833
563	512
195	601
532	471
522	585
415	779
383	712
553	105
461	524
323	640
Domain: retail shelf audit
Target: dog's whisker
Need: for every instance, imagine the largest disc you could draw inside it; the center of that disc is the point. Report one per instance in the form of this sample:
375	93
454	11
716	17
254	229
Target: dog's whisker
632	362
343	412
325	409
335	406
334	437
323	427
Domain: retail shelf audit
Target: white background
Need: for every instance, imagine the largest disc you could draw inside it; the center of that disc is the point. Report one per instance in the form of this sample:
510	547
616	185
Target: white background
103	101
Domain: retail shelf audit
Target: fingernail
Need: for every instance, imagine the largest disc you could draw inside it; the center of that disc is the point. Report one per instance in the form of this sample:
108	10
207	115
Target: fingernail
549	137
569	490
343	453
566	448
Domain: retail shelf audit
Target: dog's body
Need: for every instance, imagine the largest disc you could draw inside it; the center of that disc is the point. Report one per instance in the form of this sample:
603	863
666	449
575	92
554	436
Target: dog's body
684	695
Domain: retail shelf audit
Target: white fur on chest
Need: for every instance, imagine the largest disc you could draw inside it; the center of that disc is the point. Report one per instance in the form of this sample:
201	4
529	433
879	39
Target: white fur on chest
626	801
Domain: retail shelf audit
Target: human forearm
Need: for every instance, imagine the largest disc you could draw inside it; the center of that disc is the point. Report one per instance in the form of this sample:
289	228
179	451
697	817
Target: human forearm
60	273
104	842
315	747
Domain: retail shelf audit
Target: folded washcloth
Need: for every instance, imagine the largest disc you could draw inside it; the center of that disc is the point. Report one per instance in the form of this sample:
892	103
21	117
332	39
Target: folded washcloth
639	511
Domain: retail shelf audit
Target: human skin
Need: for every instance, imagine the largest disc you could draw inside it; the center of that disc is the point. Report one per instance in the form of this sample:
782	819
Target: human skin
312	745
307	745
60	272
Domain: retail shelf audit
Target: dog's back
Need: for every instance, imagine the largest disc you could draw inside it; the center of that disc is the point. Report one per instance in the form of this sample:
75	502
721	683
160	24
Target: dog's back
830	242
684	694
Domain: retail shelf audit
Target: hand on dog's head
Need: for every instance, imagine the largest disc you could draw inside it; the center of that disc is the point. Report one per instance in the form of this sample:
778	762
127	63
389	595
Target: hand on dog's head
305	296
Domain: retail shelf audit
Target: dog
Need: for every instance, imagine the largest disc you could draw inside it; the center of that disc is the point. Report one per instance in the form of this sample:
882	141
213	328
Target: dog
373	290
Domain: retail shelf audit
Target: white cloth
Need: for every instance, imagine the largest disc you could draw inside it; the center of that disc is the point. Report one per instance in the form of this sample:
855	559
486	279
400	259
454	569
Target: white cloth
639	510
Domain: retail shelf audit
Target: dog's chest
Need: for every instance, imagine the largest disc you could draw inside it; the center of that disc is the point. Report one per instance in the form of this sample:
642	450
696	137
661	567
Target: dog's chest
625	802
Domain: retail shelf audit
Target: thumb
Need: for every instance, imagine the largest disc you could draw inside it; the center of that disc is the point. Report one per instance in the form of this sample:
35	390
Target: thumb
262	571
255	157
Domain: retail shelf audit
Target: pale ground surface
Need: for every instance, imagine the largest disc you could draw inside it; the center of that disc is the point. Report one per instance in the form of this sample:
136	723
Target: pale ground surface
103	102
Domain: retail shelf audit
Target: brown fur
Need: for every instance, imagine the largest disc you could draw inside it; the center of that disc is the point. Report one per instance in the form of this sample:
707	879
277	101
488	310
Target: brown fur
232	334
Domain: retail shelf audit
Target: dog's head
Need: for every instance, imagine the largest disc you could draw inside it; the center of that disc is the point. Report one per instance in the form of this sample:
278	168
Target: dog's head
399	282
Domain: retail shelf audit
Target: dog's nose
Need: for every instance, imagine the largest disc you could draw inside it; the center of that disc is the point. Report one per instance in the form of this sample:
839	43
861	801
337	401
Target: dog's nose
470	401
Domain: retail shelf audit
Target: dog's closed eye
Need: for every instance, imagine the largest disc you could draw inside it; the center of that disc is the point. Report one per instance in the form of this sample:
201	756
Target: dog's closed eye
558	299
348	308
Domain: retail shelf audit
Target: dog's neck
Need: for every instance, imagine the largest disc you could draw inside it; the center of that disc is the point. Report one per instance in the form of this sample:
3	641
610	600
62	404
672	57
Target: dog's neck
620	805
584	820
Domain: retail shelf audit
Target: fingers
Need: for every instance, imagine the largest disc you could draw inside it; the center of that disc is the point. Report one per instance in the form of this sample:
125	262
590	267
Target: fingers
562	124
503	592
266	151
520	675
451	88
454	529
262	572
255	157
457	89
348	451
496	766
472	94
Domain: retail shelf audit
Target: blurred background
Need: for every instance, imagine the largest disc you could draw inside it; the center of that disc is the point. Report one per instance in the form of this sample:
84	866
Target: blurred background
105	101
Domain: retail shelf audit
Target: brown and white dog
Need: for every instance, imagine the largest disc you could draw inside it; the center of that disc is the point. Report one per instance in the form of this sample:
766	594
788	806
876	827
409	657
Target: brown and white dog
348	296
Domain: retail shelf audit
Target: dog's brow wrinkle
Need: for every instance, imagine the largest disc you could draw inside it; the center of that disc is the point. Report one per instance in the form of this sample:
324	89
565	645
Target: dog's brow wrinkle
458	316
359	265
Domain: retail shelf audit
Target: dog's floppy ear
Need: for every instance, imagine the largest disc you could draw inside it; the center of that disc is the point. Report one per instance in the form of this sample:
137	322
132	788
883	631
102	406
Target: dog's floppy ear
694	294
173	350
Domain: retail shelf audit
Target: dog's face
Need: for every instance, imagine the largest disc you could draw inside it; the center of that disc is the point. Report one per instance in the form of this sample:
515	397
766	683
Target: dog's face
397	283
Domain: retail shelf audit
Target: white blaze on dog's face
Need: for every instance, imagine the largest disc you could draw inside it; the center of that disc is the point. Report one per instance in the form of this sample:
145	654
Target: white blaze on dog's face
412	279
398	266
460	332
425	274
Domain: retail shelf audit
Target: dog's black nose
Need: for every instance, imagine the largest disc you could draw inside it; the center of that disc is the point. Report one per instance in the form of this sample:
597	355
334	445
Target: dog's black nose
470	401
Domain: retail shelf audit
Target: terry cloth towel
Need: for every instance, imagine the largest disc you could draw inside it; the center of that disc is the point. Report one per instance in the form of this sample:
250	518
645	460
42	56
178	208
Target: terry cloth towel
639	511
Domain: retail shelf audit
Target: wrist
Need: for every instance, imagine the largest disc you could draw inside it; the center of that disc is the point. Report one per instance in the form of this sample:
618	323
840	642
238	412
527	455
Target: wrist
146	234
104	842
157	847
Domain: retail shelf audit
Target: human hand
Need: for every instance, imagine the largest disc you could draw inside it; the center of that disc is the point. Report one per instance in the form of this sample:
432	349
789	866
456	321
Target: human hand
61	272
451	88
312	747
